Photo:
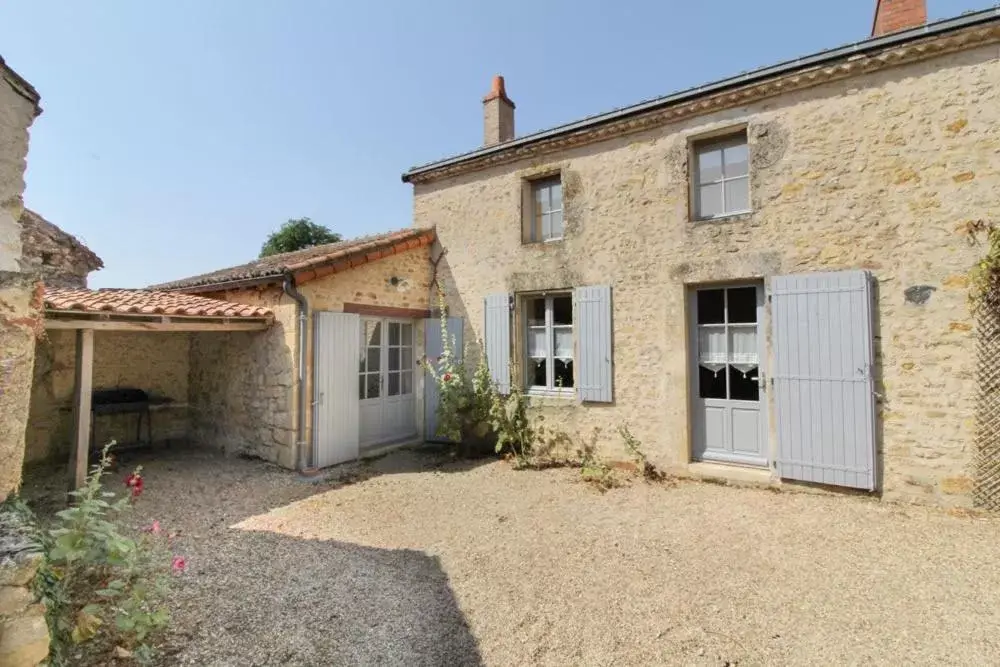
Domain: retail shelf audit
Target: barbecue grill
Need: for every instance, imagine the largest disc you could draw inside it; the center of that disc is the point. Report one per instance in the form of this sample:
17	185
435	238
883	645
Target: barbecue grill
125	400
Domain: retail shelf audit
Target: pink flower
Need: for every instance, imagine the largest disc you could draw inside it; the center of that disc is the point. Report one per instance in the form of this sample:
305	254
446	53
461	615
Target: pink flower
134	482
153	528
447	377
178	565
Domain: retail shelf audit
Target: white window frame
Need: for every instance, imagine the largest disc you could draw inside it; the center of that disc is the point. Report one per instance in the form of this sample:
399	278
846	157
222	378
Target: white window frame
550	388
536	231
720	143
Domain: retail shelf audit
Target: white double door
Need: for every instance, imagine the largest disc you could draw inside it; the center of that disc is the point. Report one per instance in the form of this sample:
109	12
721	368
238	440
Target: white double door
386	377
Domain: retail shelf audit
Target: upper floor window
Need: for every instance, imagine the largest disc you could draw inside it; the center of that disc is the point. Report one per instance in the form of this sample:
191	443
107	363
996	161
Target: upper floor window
721	177
544	219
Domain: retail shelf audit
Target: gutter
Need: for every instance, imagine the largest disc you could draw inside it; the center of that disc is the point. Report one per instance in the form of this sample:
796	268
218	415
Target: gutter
303	447
754	76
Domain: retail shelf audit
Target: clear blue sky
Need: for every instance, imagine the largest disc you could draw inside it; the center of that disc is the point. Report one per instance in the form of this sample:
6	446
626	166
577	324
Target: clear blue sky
176	135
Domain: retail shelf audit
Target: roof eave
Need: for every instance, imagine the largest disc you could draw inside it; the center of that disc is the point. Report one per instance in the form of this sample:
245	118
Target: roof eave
427	171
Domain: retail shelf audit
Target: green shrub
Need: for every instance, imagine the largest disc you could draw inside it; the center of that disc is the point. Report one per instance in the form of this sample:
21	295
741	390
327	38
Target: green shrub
104	585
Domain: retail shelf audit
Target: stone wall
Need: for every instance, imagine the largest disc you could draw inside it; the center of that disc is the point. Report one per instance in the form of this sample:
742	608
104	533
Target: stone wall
157	362
24	634
242	384
20	301
878	172
60	259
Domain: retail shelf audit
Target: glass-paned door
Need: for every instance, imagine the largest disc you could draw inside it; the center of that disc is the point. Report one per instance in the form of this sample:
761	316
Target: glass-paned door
386	381
727	419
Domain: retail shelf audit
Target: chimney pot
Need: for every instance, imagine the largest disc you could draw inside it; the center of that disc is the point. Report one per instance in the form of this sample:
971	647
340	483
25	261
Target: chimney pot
498	114
895	15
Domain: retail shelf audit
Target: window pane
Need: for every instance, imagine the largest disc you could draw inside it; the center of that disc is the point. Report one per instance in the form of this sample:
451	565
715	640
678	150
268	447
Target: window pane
564	342
712	347
373	384
536	312
743	304
562	310
373	332
743	347
546	226
536	372
407	362
711	306
541	199
710	202
406	337
737	195
556	196
393	357
557	225
394	384
563	373
393	333
407	382
709	165
361	385
743	384
537	345
374	354
736	158
711	383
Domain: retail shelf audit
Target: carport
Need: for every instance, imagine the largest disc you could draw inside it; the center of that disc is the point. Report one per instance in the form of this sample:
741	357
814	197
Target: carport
161	316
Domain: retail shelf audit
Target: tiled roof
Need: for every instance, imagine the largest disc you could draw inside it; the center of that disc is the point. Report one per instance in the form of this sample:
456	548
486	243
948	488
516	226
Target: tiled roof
145	302
306	262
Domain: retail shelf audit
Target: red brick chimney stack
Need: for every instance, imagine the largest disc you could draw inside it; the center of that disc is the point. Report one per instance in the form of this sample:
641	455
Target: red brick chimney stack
498	115
895	15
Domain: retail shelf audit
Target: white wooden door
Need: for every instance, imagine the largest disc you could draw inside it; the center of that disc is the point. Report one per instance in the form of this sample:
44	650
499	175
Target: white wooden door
729	423
335	417
385	386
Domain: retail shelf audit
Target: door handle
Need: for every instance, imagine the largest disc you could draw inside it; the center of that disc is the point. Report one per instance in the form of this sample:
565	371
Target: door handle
319	399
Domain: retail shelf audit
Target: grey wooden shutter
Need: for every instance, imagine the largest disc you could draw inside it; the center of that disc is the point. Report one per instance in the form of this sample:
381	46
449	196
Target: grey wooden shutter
336	344
592	323
433	349
823	380
496	334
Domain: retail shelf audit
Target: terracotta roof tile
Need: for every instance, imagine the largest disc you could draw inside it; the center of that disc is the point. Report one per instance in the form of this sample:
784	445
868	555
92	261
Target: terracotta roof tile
145	302
366	248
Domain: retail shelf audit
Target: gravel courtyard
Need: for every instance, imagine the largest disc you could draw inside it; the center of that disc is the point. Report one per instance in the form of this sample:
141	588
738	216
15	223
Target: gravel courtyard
422	561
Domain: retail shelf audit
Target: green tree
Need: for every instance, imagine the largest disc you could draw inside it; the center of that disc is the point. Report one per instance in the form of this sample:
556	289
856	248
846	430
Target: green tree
297	234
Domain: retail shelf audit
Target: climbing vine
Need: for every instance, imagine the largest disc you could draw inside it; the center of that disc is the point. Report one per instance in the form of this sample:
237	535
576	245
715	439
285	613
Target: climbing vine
984	279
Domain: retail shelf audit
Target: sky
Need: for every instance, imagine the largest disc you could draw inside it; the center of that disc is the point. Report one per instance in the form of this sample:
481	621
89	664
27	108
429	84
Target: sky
176	135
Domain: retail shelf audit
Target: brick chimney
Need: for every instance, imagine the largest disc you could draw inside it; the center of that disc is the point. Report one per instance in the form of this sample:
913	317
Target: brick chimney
498	115
896	15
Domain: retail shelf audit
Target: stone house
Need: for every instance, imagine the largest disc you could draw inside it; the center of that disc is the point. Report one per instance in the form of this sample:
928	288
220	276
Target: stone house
336	376
763	277
58	258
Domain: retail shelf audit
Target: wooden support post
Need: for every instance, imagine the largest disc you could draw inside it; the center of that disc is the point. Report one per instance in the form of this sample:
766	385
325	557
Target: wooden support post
84	380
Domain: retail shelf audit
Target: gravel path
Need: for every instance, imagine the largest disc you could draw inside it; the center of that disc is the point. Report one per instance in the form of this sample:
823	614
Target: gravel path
477	564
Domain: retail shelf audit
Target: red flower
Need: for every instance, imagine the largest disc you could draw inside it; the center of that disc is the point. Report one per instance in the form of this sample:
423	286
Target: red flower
178	565
153	528
134	482
447	377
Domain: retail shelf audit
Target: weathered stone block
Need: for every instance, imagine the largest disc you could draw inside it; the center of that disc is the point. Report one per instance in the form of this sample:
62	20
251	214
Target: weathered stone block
24	641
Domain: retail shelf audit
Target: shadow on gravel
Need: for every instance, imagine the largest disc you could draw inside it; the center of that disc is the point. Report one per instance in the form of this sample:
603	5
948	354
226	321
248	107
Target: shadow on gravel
309	602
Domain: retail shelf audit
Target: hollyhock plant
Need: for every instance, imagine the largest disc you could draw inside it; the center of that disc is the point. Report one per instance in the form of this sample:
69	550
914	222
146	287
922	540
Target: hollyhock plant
134	483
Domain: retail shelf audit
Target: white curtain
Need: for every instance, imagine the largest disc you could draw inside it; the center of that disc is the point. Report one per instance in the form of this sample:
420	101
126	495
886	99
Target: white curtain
743	349
712	348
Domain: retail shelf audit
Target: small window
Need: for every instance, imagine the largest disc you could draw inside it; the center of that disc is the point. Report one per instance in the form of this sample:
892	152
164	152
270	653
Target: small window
549	343
544	216
721	178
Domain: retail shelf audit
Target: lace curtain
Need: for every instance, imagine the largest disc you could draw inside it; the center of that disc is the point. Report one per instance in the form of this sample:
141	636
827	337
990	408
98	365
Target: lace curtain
742	348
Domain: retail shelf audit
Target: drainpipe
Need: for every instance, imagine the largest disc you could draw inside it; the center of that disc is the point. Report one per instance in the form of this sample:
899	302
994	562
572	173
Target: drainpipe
304	448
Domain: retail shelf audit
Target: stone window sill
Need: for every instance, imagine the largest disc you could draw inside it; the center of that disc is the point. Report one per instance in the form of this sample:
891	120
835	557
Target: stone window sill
742	216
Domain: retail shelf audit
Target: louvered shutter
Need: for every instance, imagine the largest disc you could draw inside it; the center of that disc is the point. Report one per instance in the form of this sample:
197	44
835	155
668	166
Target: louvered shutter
592	323
496	339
